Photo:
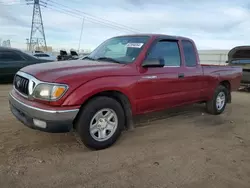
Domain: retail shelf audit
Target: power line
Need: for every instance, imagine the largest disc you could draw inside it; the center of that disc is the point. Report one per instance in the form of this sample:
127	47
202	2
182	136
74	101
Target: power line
62	11
68	11
10	2
73	14
76	13
79	17
91	17
95	17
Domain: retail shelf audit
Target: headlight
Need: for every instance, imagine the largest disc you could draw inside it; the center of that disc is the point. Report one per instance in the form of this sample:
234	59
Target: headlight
49	91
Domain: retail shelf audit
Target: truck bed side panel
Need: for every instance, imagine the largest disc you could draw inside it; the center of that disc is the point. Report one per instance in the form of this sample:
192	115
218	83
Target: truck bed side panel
215	74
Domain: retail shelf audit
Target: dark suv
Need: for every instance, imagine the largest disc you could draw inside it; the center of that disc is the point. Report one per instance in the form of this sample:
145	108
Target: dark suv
12	60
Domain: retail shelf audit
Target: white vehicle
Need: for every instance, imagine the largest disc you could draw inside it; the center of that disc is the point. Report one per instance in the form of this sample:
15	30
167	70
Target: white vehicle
45	56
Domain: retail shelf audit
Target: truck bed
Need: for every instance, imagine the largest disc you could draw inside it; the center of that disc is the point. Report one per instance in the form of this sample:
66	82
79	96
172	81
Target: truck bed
224	72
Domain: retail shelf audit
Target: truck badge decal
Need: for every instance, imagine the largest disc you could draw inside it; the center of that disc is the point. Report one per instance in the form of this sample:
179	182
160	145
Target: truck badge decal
134	45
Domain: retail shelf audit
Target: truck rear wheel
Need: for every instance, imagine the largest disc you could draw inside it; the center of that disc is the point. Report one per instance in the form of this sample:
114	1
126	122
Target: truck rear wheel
219	101
100	123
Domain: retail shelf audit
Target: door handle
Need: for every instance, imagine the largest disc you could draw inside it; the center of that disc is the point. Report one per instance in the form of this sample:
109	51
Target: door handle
181	75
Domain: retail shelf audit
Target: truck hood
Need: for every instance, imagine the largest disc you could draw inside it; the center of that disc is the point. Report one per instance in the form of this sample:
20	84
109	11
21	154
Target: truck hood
77	69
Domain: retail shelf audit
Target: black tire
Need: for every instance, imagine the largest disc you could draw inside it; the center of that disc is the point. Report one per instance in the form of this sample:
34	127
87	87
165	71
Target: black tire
88	112
211	105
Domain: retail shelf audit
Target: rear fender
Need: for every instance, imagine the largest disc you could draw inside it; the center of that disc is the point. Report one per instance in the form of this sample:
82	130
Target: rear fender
229	98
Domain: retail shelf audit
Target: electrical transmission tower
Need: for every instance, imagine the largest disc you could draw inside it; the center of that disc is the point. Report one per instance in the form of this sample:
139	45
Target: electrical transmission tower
37	35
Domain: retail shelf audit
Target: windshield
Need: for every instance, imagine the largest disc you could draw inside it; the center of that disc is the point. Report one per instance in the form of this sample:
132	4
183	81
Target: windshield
124	49
241	61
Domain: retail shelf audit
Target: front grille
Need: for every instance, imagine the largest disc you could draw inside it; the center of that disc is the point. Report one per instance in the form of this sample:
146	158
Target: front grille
21	84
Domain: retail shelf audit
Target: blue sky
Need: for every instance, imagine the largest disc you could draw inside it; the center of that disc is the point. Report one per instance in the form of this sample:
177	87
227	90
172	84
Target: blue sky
212	24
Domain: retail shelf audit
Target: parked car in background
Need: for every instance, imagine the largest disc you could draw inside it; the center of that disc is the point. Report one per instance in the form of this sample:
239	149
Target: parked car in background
45	56
38	51
11	60
245	64
240	56
123	77
64	55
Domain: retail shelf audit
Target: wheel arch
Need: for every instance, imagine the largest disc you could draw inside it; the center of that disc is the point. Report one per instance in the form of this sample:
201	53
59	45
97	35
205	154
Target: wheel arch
119	97
227	85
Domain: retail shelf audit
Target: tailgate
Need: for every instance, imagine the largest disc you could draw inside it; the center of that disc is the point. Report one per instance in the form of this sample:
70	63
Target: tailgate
245	65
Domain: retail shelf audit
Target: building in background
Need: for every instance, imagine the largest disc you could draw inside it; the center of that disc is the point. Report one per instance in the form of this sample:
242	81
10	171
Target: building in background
43	48
6	43
213	57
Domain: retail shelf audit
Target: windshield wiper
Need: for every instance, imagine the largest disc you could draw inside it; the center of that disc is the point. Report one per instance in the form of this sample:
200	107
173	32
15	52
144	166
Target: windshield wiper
89	58
108	59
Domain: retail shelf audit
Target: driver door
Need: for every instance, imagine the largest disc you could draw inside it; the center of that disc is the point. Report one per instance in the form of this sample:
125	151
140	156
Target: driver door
159	87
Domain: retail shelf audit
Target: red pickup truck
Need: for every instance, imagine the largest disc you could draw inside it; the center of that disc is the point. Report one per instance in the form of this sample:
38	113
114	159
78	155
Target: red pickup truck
124	76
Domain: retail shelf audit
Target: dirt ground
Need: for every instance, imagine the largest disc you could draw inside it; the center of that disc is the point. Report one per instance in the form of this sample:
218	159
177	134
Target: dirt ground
183	148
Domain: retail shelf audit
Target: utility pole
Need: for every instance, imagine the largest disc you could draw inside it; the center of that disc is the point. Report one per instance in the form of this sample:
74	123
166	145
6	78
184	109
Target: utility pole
27	43
80	36
37	35
37	44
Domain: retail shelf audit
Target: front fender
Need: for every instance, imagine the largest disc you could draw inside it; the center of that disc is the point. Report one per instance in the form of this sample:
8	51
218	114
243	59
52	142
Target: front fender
121	84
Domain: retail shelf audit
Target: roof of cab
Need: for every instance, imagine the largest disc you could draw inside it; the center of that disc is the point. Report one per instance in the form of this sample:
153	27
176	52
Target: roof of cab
8	48
158	36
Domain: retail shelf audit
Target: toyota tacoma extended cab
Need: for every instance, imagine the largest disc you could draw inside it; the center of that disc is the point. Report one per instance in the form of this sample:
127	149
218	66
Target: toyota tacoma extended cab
123	77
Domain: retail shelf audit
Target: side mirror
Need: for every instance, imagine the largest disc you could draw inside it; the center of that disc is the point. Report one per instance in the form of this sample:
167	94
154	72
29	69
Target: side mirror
153	63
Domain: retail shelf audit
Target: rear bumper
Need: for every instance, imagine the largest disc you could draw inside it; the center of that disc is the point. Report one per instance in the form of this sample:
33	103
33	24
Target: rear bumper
245	84
42	119
245	78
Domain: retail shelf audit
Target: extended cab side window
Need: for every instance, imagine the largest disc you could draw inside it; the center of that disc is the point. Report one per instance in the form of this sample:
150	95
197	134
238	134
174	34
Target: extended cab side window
10	56
167	50
189	53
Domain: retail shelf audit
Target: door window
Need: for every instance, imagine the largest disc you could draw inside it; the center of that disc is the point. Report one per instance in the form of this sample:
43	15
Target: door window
189	53
10	56
168	51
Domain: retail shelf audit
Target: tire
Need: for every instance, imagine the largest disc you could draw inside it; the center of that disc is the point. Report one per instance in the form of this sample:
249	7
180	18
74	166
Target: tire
212	107
94	113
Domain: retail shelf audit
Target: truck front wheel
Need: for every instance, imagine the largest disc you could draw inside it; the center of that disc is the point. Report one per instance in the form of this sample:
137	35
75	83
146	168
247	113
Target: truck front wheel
219	101
100	123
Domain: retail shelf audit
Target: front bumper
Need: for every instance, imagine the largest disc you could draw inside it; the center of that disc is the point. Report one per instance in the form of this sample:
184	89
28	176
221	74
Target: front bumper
48	120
